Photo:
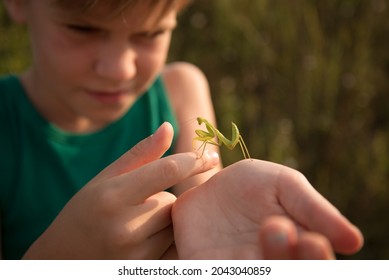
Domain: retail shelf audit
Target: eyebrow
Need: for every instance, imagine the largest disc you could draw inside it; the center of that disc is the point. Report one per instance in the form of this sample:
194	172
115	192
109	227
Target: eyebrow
162	20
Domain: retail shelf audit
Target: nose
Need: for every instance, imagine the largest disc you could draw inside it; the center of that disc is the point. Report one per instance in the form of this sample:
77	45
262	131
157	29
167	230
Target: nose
116	63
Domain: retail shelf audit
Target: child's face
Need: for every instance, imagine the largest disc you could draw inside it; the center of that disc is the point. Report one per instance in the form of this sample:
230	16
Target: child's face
95	66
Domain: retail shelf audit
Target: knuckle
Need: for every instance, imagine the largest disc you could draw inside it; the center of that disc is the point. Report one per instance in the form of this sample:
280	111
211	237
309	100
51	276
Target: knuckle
108	200
170	170
123	235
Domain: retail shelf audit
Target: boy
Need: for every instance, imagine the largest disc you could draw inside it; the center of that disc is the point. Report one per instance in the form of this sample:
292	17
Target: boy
97	86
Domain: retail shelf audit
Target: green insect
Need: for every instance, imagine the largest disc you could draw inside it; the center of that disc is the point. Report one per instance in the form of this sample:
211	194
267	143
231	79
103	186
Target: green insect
207	137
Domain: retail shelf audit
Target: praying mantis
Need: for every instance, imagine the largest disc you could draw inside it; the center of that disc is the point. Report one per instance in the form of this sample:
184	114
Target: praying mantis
207	137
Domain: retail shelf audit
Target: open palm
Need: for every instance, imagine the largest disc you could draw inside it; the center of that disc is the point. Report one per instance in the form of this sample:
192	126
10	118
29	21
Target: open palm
222	218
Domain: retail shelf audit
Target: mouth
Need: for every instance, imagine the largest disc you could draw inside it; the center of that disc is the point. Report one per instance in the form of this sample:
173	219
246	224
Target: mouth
108	97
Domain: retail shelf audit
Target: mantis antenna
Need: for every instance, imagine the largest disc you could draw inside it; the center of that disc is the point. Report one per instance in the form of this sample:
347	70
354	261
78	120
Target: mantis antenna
207	137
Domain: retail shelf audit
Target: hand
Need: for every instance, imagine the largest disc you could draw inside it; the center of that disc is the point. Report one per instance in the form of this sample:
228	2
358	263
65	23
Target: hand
123	213
257	210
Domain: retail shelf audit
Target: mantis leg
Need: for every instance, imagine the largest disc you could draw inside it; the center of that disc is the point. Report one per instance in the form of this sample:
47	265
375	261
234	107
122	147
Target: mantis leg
204	144
243	146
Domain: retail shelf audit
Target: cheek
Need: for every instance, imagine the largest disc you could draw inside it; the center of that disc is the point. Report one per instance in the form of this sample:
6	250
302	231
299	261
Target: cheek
53	48
63	59
150	64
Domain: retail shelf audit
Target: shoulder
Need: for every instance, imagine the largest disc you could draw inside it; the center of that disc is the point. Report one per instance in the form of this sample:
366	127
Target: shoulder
11	97
5	82
9	108
185	83
183	71
7	86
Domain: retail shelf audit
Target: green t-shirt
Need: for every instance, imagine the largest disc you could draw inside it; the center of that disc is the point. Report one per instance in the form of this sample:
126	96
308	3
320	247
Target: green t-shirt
42	167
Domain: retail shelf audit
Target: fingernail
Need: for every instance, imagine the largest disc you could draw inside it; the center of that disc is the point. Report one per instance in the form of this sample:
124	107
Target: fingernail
160	128
212	157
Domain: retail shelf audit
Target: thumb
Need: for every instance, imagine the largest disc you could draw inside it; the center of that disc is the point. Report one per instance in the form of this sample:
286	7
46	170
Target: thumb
147	150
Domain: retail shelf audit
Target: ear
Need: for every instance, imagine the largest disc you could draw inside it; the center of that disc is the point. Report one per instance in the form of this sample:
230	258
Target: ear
16	10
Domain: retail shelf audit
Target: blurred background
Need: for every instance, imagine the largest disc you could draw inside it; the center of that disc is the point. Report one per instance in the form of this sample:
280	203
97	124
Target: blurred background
306	82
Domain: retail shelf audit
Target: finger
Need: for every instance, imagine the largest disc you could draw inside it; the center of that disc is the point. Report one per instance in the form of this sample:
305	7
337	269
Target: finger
152	216
314	212
149	149
313	246
278	237
159	175
171	253
154	247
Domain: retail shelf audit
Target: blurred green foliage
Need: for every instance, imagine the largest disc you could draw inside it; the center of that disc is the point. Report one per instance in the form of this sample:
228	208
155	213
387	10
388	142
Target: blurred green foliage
306	82
14	51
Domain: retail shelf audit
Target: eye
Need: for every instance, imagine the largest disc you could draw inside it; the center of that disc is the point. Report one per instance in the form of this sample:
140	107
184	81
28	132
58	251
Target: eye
83	29
156	34
150	35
